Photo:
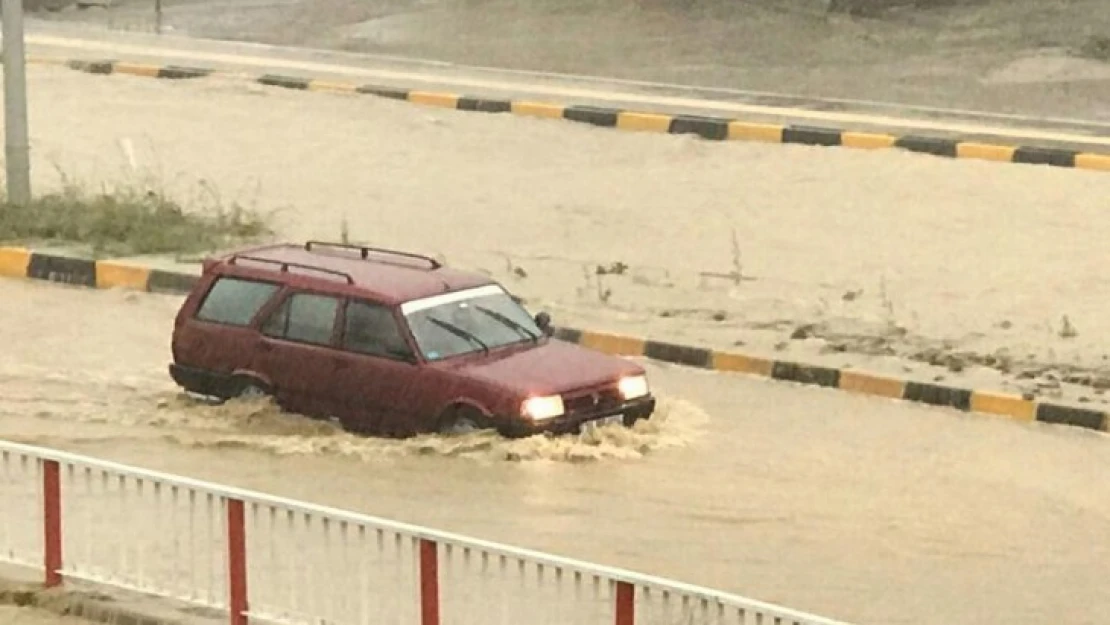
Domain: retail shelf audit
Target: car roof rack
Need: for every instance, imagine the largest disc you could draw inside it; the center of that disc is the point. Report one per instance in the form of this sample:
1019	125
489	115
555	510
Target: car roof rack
365	251
285	266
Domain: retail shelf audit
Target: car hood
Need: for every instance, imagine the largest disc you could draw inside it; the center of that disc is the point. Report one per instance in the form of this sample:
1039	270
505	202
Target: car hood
551	367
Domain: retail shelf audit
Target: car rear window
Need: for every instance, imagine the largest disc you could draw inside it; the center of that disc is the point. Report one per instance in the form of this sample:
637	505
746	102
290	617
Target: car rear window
235	301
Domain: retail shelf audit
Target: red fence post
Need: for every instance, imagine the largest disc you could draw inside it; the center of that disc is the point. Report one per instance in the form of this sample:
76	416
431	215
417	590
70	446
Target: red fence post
626	604
429	583
52	522
236	562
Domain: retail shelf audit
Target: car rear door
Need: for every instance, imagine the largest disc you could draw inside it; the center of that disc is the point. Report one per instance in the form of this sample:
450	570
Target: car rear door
215	337
375	374
295	351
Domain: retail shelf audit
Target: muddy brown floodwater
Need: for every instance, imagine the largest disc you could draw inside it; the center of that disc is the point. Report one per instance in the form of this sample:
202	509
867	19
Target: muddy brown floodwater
868	510
867	253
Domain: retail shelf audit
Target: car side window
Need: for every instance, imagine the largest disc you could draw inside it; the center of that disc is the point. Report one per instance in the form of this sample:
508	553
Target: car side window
372	329
305	318
235	301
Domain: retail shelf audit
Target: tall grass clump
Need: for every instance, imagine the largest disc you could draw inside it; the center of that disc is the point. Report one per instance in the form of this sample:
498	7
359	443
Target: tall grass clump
129	220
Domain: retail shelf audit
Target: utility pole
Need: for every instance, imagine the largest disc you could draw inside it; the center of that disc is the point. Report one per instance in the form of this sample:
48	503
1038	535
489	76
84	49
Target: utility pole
16	143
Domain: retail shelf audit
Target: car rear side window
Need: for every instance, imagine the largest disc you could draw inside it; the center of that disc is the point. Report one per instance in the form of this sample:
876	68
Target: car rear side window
372	329
305	318
235	301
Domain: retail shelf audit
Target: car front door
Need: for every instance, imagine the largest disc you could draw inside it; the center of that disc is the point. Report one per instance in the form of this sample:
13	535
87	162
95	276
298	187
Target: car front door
375	374
296	351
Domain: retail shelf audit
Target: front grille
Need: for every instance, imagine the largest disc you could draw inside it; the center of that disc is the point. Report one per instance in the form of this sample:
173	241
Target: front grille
591	401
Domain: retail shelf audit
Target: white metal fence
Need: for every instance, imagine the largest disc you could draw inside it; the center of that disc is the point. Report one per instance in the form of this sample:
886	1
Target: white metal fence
274	560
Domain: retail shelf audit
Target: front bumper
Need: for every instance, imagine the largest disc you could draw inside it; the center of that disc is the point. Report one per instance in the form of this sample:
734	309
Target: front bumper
631	411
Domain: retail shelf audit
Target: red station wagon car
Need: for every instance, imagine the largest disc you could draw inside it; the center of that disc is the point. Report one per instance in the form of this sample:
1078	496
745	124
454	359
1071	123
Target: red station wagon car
390	343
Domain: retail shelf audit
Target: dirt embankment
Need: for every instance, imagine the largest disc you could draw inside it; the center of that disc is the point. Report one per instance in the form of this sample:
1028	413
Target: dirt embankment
1027	57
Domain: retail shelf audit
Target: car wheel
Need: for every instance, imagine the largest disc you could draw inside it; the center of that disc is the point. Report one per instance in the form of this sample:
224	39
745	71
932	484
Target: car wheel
247	388
462	420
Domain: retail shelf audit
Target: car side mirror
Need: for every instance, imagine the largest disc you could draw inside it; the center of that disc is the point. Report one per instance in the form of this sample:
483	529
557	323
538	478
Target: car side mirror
543	322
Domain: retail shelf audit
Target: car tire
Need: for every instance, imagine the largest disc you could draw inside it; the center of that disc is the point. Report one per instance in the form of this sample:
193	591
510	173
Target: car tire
249	388
462	420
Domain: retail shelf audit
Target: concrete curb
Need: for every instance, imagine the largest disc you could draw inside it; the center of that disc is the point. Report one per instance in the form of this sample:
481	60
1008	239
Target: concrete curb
92	606
104	274
706	127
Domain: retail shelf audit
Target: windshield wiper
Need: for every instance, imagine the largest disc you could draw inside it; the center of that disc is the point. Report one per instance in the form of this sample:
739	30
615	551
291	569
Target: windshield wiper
459	332
520	329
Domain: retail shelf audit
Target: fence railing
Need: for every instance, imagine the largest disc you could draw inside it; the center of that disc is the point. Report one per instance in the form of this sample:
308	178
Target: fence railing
268	559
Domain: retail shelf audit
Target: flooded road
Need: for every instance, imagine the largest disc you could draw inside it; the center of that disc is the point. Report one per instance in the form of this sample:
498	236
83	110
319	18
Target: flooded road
890	260
865	510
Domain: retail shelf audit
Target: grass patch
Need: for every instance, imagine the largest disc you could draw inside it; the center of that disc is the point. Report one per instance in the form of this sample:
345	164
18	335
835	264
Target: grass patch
129	221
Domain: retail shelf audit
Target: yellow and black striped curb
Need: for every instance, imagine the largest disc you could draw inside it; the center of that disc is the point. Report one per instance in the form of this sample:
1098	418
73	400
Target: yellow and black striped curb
706	127
24	263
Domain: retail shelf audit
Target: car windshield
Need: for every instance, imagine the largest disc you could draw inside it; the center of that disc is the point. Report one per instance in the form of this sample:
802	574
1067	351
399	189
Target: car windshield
462	322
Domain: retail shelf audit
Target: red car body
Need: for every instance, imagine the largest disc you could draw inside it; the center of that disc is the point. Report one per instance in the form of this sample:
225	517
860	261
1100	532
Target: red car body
390	343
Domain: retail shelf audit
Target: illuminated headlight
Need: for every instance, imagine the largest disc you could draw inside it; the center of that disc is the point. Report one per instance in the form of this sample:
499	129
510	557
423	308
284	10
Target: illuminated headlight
540	408
633	386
